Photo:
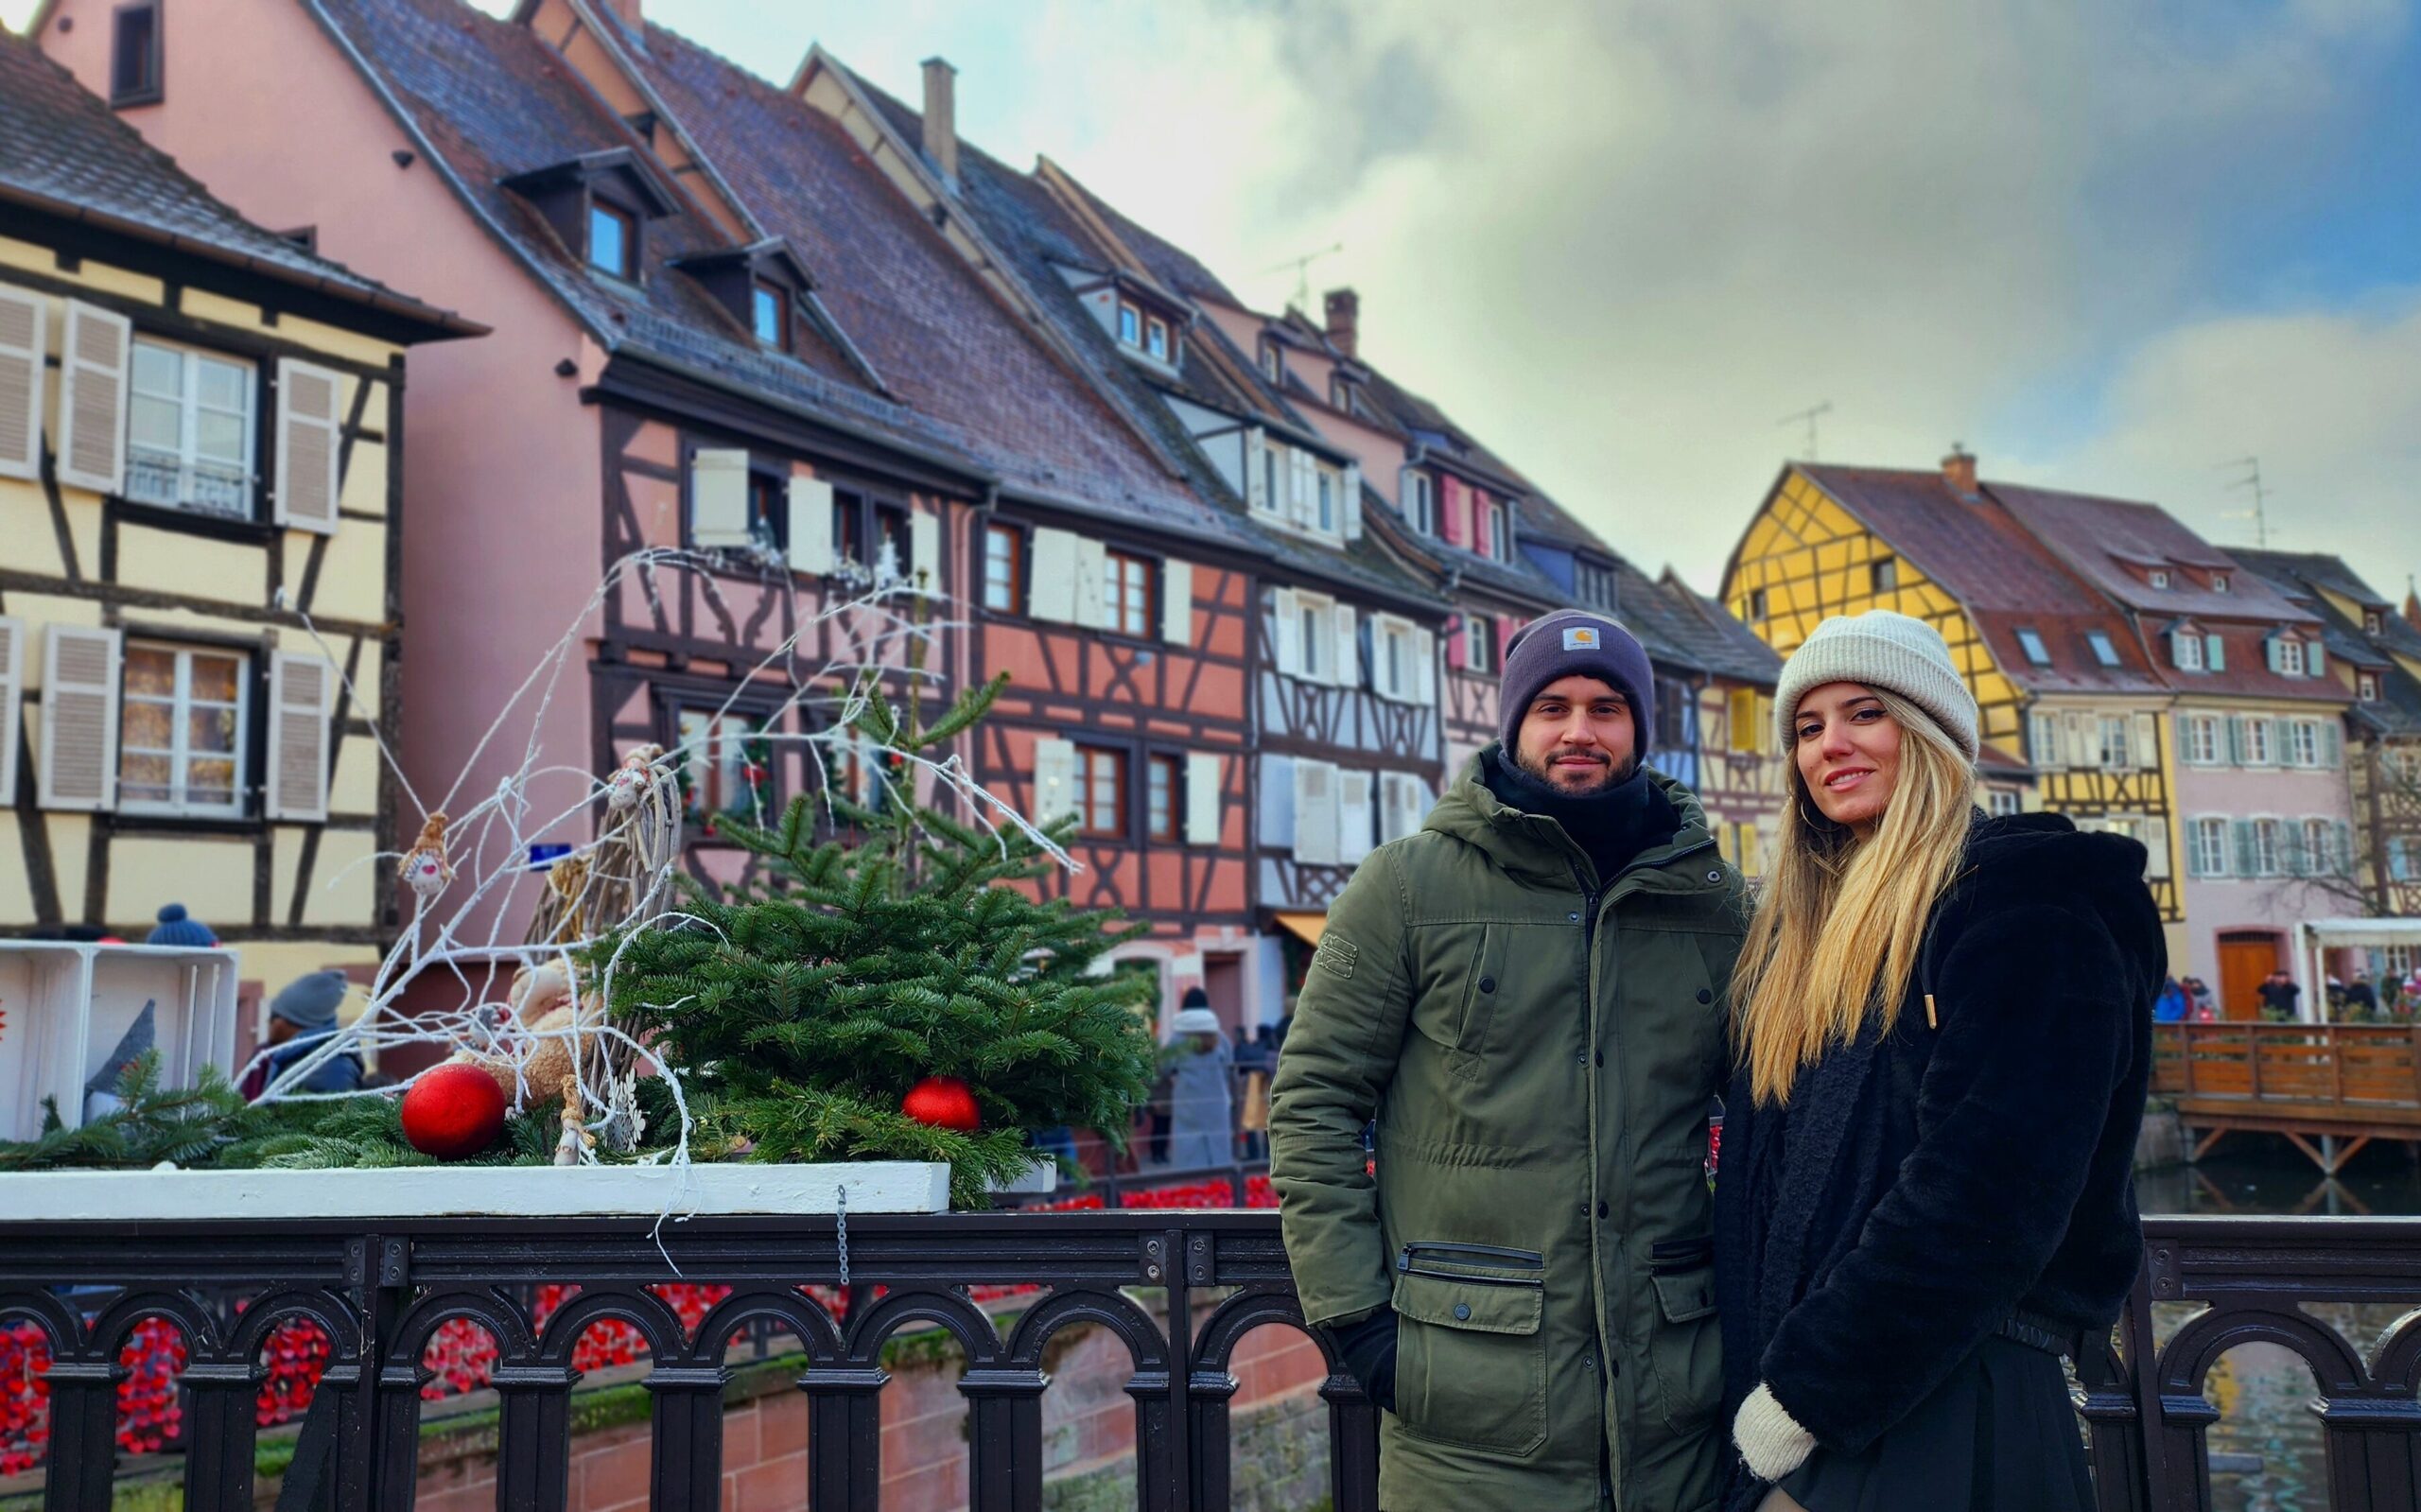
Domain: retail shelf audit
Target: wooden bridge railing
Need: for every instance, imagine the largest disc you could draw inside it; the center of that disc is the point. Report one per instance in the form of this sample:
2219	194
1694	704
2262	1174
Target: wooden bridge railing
2360	1068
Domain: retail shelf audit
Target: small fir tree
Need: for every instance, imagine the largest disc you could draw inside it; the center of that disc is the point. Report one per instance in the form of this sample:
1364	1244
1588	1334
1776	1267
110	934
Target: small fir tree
800	1008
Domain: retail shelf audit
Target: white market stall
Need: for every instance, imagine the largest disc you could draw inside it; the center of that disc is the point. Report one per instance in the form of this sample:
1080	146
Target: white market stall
2314	936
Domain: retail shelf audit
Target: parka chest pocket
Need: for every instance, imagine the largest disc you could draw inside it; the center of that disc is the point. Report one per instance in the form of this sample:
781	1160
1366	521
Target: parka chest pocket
1473	981
1471	1359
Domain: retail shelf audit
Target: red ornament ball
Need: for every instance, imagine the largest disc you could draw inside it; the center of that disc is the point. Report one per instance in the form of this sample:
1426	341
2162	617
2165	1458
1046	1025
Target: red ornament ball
943	1102
453	1111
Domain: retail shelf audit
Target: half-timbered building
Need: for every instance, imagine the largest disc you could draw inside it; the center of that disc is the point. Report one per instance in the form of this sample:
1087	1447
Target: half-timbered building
2374	654
199	570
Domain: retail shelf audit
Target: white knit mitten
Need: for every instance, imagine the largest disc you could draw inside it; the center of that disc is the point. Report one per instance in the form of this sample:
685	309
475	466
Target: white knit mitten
1770	1440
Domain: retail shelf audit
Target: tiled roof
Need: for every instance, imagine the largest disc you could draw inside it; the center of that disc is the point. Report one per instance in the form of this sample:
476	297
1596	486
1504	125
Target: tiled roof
1724	644
1410	412
65	152
1164	260
2299	575
2095	537
2006	580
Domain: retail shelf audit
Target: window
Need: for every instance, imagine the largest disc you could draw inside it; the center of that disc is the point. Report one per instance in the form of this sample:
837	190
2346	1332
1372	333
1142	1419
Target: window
190	431
1479	648
1500	533
613	239
1883	575
1273	363
1004	568
2115	730
1099	794
2159	578
180	733
2104	651
1756	604
1594	582
848	528
892	548
134	54
2001	802
2290	656
1673	715
770	304
2267	835
1126	594
1314	635
1418	507
2185	649
2218	583
1337	394
2043	738
2303	744
2257	749
2399	858
726	766
2373	623
2318	851
2203	740
2369	686
1328	500
1156	337
768	510
2030	643
1746	731
1130	324
1271	499
2211	847
1161	815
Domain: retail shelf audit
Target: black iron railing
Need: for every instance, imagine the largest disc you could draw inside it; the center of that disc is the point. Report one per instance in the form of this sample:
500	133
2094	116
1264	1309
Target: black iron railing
1179	1289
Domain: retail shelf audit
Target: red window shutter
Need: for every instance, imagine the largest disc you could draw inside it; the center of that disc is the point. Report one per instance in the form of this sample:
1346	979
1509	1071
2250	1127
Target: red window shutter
1459	636
1458	512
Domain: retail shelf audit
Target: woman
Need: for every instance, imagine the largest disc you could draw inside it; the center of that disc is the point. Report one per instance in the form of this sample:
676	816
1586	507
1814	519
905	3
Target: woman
1943	1023
1202	1102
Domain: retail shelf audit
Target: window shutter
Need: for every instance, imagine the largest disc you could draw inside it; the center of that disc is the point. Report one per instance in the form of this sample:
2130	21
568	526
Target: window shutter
1315	812
1274	806
2247	857
23	338
299	688
1457	521
2315	659
80	719
1307	488
1177	603
2176	639
1458	637
924	551
1507	626
2193	832
12	687
807	501
2342	863
2079	755
1289	649
1347	670
95	356
1353	821
1202	798
309	441
2146	750
2182	728
2236	739
2156	846
1051	592
2269	653
718	498
1350	505
1424	666
1054	780
2215	653
1092	586
2332	744
1257	471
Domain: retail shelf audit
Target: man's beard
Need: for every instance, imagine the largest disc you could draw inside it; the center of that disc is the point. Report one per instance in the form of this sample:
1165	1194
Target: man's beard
1603	779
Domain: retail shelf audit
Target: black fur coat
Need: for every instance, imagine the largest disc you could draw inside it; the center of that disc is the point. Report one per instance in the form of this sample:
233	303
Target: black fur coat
1921	1187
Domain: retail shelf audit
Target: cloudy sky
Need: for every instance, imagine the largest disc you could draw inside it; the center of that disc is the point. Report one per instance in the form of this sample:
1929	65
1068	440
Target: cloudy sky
2110	247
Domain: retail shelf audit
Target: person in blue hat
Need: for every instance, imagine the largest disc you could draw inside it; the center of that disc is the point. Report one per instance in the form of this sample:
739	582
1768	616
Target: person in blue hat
300	1018
177	926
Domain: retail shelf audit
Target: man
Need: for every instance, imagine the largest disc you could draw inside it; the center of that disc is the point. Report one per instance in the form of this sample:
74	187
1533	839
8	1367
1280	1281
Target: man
1528	996
2279	994
300	1018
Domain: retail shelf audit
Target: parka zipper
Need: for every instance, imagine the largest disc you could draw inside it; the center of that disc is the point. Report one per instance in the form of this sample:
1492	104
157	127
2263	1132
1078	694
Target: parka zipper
1482	1257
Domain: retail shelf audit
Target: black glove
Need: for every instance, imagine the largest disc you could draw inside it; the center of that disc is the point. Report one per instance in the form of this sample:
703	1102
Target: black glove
1368	1351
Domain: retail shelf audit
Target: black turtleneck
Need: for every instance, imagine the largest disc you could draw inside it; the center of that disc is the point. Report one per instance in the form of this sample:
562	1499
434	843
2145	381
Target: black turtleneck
1611	826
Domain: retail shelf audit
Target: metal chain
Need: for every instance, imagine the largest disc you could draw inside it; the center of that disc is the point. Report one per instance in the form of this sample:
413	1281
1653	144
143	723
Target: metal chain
841	1211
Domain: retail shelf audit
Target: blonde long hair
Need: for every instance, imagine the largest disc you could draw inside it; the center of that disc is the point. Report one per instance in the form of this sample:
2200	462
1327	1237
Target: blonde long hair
1836	932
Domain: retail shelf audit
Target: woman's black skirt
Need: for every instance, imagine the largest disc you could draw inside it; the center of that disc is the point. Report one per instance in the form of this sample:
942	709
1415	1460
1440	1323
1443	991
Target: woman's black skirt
1999	1435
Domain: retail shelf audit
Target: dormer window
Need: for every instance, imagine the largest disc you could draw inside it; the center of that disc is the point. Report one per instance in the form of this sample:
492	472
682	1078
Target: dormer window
2104	651
2218	583
2290	656
2031	643
1156	337
758	286
2186	650
2159	578
1273	362
2373	623
613	240
134	54
2370	687
1593	583
770	313
1419	505
1130	324
599	205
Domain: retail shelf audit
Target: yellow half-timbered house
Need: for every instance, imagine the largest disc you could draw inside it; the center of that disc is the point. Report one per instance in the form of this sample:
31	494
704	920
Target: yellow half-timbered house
197	429
2072	707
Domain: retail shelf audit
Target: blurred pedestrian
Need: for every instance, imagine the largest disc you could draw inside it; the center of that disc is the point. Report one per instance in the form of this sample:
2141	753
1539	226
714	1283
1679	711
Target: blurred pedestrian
1202	1104
301	1018
177	926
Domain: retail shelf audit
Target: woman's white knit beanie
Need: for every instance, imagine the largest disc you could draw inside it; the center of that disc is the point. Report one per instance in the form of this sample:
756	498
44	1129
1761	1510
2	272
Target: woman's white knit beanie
1883	650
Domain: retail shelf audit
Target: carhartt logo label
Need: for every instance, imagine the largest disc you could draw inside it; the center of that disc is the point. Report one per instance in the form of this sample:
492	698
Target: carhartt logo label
1337	954
1582	638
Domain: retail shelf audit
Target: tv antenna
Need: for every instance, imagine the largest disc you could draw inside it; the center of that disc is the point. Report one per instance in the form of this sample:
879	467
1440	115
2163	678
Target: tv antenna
1808	417
1302	266
2259	513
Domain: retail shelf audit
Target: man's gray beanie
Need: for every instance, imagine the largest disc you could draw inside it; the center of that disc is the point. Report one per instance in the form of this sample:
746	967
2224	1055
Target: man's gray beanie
1883	650
1574	642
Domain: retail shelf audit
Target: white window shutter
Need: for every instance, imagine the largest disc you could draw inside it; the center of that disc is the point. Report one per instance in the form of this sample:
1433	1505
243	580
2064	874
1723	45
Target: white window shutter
309	441
299	698
23	345
1257	471
1353	817
79	755
2146	742
2075	738
2270	652
1315	812
1093	586
2156	846
1050	593
1302	485
1346	670
2315	659
1351	503
12	687
2332	744
2215	653
1202	780
924	551
1177	603
95	356
808	504
1054	780
718	498
1424	666
1274	804
1289	613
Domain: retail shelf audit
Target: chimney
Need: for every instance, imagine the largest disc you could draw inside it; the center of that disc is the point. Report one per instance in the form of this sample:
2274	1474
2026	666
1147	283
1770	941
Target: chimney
629	13
1344	308
941	116
1959	471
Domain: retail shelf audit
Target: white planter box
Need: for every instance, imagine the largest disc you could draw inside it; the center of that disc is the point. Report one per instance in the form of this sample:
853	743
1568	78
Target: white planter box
1040	1180
450	1192
67	1004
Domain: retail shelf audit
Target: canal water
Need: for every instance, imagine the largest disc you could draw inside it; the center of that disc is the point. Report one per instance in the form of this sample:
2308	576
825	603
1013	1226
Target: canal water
2266	1448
